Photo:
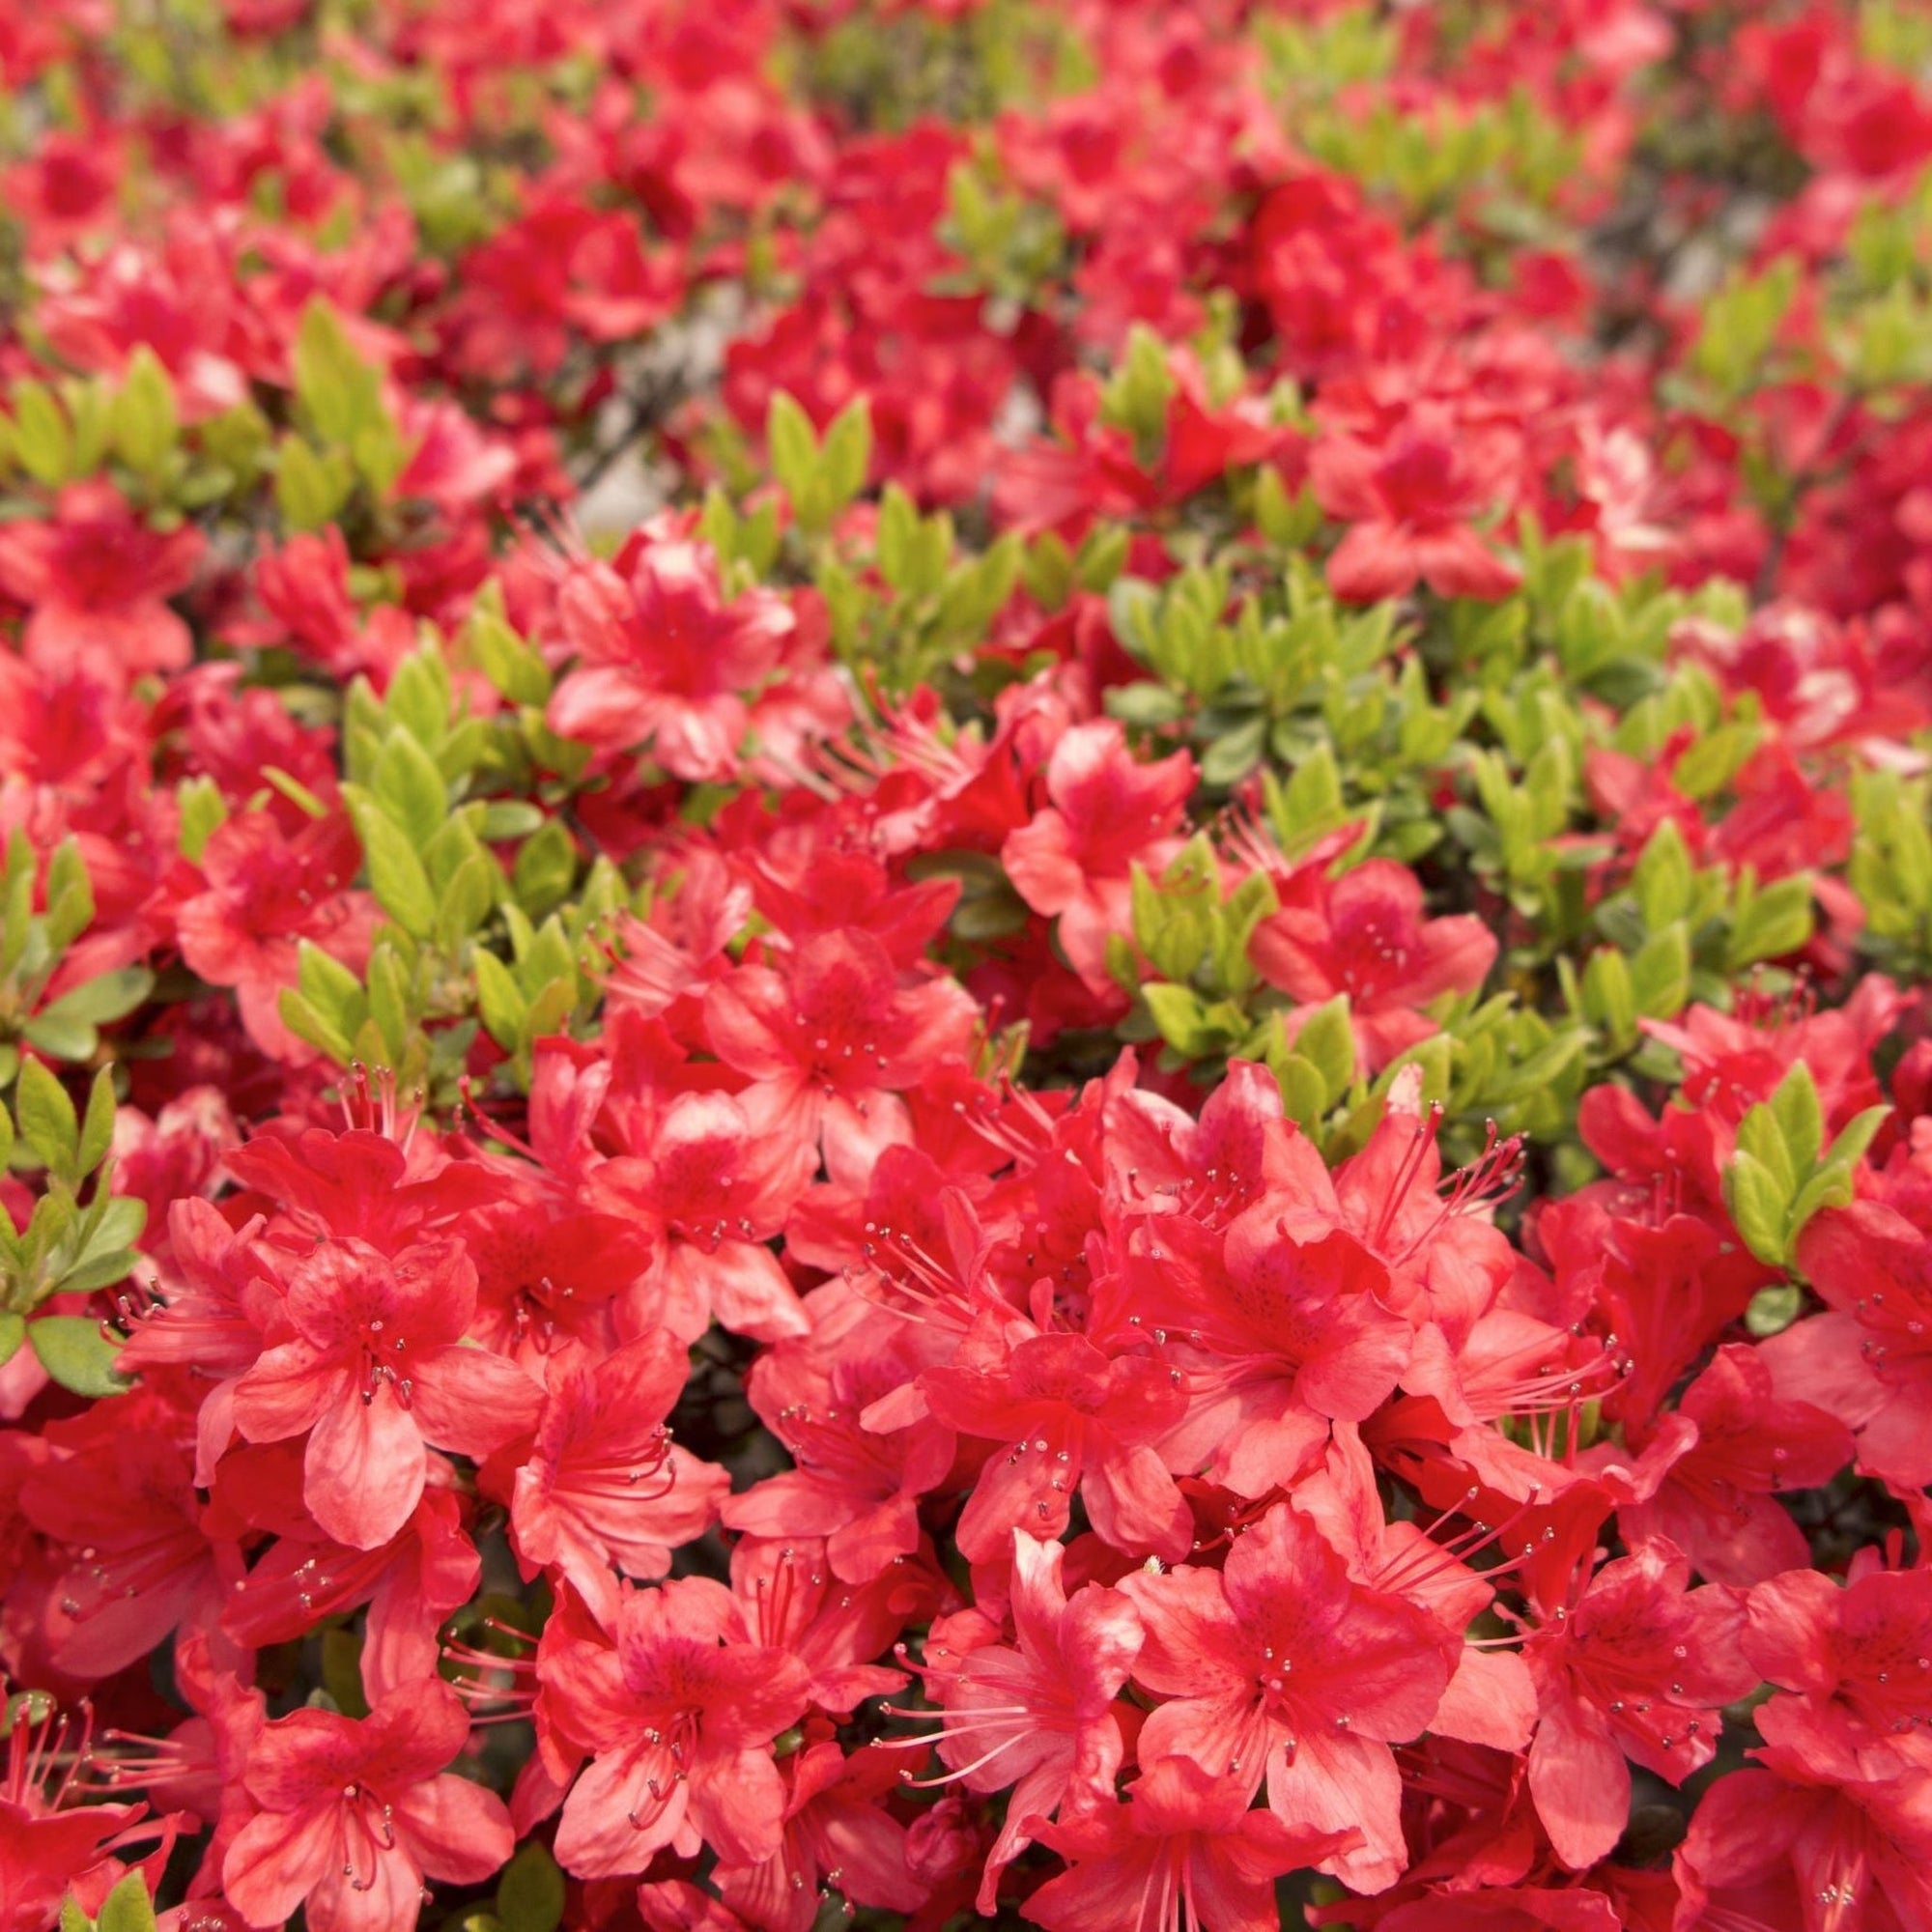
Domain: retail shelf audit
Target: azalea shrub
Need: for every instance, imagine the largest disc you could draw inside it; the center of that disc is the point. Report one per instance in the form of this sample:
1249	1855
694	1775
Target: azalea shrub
965	962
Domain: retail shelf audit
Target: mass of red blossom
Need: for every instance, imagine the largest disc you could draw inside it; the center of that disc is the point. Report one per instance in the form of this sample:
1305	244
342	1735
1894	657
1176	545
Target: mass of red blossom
965	962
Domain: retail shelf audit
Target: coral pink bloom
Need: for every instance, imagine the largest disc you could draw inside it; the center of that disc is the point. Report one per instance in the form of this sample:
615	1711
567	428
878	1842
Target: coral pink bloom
1282	1337
1106	812
1038	1716
666	661
368	1357
1785	1846
830	1043
97	580
604	1487
1183	1852
264	894
1409	502
1161	1159
1281	1667
1730	1446
50	1845
839	1839
364	1186
353	1816
1860	1655
677	1714
1868	1359
409	1583
1077	1420
857	1488
711	1190
546	1276
118	1496
1367	937
1635	1668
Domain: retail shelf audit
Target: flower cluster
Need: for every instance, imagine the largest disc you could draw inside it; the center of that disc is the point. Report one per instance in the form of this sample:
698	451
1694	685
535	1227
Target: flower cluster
965	962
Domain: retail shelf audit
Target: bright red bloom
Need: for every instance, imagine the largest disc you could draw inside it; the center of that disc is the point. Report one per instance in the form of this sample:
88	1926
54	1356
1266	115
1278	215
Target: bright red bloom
262	894
604	1487
676	1709
1183	1851
831	1042
1730	1446
1105	812
1783	1846
665	658
1280	1668
367	1355
353	1816
1075	1419
1636	1667
1868	1359
857	1488
1277	1338
1037	1716
97	579
1409	503
1365	935
409	1583
709	1189
1859	1654
140	1557
838	1838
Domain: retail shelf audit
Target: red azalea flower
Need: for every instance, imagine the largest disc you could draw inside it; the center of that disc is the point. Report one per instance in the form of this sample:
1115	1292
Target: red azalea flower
1409	502
367	1355
839	1839
677	1710
1636	1667
1730	1446
1280	1669
263	893
353	1815
1037	1717
1183	1851
664	659
831	1042
1366	936
603	1488
1106	812
1076	1420
97	580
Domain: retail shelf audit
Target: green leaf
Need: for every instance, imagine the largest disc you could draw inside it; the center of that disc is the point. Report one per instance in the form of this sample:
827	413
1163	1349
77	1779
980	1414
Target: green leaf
128	1907
545	869
1774	1308
48	1123
13	1332
104	997
794	447
1856	1136
75	1354
500	1000
396	873
410	788
97	1129
1758	1204
846	457
1327	1042
467	901
204	811
309	489
1800	1121
531	1895
41	437
145	420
